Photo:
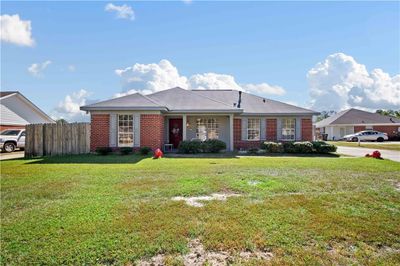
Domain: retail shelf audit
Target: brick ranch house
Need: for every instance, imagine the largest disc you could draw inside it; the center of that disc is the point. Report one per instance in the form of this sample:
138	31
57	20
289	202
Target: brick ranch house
353	120
240	119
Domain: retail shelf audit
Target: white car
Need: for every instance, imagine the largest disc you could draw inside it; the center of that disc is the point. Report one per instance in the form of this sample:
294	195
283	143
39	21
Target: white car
367	135
11	139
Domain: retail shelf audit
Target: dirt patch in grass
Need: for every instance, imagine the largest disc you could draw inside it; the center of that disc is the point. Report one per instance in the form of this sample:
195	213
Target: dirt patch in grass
197	256
397	186
198	201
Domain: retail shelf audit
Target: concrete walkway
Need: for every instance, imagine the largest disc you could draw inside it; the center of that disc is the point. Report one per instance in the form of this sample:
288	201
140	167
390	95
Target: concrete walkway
12	155
360	152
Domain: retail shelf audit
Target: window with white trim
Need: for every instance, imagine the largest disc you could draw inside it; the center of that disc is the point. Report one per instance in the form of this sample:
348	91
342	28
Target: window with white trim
207	128
125	130
289	129
253	128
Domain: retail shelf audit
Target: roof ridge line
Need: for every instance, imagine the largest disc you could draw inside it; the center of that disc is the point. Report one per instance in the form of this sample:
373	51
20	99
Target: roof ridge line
344	112
152	100
212	98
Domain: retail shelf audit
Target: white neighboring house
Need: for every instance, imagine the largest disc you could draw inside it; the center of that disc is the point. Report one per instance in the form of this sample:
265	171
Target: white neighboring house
353	120
17	111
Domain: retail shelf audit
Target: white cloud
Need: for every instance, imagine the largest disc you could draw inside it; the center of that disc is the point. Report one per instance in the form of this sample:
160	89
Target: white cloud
340	82
37	69
71	68
213	81
149	78
16	31
123	12
264	88
68	108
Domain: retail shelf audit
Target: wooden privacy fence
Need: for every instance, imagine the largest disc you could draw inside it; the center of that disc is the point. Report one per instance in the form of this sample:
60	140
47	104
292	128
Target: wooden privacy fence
57	139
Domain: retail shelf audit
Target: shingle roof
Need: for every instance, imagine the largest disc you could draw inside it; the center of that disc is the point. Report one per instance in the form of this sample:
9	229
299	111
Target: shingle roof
181	100
131	101
178	99
356	117
253	104
5	93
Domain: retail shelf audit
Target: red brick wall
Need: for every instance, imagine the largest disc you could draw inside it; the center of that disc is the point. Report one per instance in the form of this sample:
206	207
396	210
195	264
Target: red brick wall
306	129
237	137
358	128
152	131
4	127
99	131
271	129
387	129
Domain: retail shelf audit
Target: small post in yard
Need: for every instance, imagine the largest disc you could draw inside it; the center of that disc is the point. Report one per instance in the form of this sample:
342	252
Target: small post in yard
359	142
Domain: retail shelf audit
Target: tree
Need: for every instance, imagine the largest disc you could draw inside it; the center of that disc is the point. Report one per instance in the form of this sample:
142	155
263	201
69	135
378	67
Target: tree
389	112
62	121
325	114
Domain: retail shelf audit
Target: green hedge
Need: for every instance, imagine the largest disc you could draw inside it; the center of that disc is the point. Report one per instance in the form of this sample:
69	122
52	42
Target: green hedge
125	150
298	147
144	150
197	146
103	150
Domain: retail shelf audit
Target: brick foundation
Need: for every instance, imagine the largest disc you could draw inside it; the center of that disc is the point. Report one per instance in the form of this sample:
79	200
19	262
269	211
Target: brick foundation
271	129
151	131
99	131
5	127
306	129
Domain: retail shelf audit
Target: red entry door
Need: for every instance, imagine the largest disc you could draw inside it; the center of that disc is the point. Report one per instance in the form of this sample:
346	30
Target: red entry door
175	131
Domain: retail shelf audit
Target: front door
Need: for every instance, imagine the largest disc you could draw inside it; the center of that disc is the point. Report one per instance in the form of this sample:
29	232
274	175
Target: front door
175	131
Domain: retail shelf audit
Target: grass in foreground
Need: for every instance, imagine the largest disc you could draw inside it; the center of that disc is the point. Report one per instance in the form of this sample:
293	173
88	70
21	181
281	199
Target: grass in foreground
117	209
370	145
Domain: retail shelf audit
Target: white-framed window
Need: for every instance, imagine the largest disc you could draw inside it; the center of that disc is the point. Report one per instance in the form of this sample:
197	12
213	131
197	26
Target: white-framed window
253	128
207	128
288	129
125	130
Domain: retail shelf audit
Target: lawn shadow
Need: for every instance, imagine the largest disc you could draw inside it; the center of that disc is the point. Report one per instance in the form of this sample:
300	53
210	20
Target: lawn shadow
88	159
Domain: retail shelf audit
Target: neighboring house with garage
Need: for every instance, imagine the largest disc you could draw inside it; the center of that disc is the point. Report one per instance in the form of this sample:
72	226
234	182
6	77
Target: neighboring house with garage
17	111
240	119
353	120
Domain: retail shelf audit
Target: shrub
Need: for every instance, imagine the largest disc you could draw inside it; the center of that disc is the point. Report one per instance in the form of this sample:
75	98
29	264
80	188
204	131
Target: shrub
125	150
213	145
303	147
190	146
252	151
103	150
289	147
272	147
144	150
323	147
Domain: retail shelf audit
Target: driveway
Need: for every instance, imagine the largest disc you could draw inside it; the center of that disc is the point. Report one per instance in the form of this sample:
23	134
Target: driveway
360	152
12	155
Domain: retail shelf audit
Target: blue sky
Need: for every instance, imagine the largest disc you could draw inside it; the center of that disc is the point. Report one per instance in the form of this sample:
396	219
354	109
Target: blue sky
276	43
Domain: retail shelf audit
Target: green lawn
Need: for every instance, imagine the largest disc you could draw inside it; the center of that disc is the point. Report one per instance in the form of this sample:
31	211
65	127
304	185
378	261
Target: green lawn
370	145
117	209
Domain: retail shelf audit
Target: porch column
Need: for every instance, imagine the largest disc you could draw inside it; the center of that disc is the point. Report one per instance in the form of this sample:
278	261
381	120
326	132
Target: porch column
231	132
184	122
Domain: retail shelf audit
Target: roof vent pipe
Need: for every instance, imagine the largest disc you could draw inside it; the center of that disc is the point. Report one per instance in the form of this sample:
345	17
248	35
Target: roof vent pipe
240	99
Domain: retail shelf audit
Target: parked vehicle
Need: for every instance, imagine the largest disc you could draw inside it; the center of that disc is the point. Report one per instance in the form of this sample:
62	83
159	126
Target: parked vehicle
12	139
367	135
